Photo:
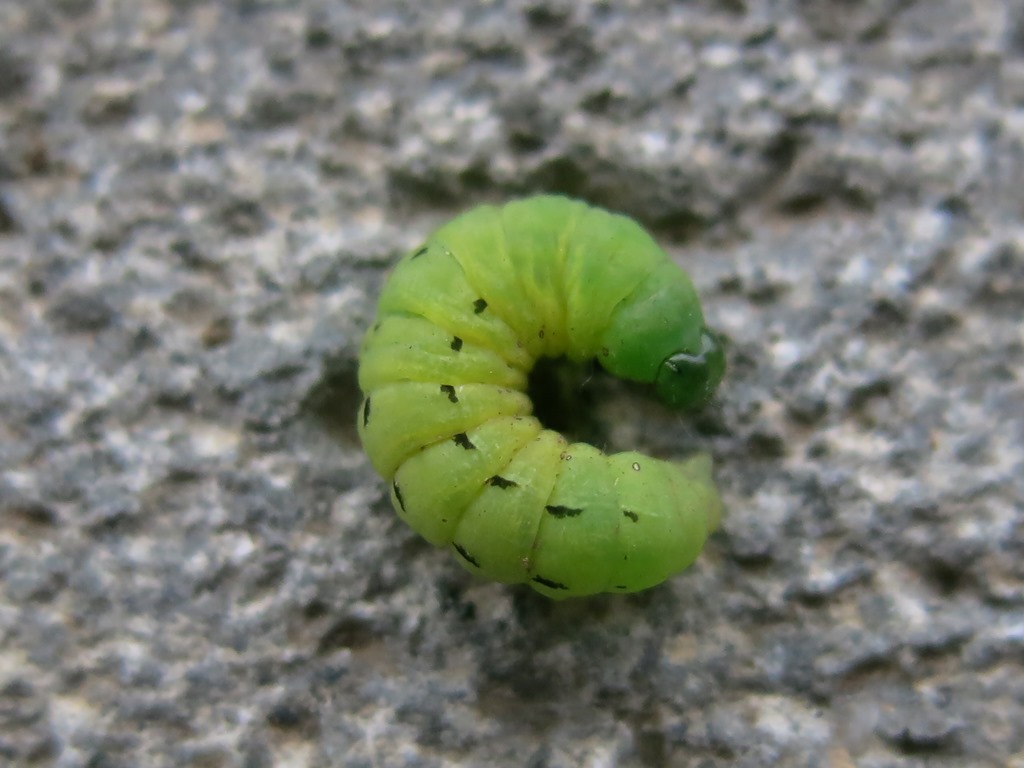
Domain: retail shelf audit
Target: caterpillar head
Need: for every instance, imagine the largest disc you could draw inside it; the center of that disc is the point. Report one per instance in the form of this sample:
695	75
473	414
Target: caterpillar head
689	380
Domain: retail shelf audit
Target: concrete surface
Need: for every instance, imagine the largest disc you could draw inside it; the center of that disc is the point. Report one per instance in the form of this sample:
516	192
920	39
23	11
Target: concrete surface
198	202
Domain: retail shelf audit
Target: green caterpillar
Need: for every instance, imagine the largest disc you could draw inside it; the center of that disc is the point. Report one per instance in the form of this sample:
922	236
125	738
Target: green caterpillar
446	420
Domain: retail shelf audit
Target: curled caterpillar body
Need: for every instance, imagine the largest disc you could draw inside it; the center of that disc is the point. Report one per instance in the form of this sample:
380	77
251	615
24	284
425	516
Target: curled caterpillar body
446	421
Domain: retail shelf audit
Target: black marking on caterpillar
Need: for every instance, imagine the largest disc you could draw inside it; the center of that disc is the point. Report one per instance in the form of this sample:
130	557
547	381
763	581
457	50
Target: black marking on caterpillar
631	515
479	306
549	583
398	494
366	412
465	555
420	252
558	511
449	390
501	482
456	344
462	440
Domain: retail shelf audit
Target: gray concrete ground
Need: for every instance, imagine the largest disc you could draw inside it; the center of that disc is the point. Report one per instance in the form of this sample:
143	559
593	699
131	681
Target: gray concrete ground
198	202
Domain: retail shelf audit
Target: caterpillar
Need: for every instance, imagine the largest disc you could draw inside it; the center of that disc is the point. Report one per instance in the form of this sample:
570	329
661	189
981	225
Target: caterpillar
446	421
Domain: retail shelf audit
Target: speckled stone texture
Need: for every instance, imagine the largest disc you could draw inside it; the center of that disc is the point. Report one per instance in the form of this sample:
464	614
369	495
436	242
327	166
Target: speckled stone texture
198	202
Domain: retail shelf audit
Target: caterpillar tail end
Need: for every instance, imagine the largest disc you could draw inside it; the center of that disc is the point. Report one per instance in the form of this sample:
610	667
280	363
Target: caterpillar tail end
697	470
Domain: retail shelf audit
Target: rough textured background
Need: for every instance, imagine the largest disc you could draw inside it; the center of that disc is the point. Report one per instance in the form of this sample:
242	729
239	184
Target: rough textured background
198	201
